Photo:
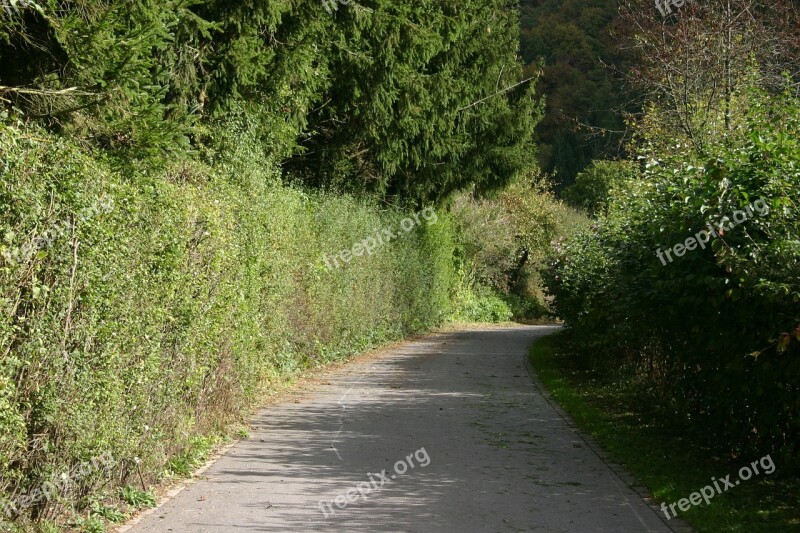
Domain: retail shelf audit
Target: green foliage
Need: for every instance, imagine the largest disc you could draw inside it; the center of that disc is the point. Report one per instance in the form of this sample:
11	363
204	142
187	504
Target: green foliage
193	456
389	97
502	241
572	44
594	186
92	524
530	304
481	305
614	410
536	217
157	270
110	514
693	67
713	334
487	242
418	106
145	329
138	499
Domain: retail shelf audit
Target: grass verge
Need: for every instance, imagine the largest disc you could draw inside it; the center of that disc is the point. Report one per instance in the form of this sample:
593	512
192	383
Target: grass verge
671	465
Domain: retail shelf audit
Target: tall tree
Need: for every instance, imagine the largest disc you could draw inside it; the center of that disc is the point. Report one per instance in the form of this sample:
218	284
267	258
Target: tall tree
403	98
425	98
694	60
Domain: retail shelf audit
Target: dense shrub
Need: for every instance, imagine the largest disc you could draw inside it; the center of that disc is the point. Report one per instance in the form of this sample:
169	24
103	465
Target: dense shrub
159	316
715	333
594	185
481	304
502	241
157	273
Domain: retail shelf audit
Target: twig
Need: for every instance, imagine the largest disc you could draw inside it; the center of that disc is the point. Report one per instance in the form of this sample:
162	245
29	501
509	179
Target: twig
473	104
73	272
44	92
141	478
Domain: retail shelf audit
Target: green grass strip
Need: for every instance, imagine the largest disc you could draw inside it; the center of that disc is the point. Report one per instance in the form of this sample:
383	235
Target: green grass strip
663	458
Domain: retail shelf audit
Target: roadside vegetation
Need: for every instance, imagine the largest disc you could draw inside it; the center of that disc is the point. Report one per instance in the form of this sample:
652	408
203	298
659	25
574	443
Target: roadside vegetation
682	299
690	273
184	187
148	329
502	242
661	453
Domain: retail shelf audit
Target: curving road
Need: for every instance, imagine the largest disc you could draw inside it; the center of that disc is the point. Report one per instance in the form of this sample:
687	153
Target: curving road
446	433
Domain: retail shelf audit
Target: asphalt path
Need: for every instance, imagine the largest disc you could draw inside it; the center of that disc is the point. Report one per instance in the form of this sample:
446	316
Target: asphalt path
444	433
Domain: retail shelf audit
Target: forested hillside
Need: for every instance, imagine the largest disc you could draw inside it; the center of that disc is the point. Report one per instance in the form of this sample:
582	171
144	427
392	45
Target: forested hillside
576	46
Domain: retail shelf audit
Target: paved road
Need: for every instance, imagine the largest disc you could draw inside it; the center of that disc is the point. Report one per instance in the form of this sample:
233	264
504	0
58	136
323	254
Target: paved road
454	417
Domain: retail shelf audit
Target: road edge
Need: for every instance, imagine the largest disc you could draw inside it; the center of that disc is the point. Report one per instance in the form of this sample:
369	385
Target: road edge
304	384
677	525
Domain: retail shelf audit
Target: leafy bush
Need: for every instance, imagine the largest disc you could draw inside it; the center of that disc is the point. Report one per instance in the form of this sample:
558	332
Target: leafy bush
486	241
594	186
136	498
714	334
481	305
502	241
148	325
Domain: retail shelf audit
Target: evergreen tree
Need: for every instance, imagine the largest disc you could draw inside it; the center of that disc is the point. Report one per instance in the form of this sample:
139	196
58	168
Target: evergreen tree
393	98
421	102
